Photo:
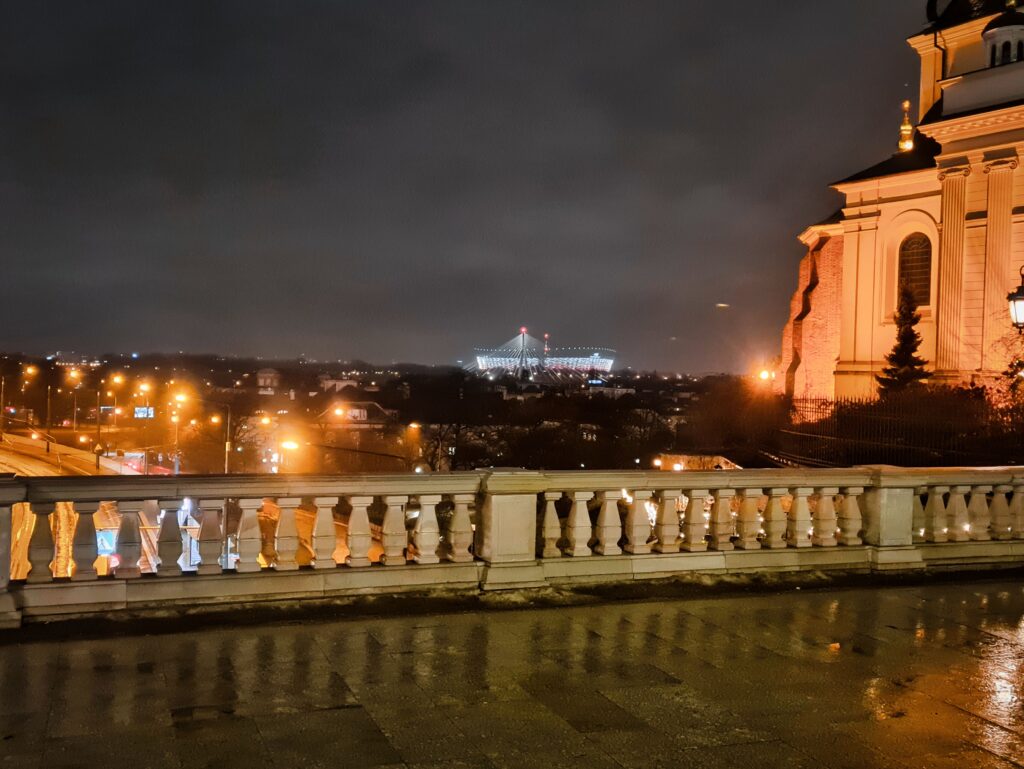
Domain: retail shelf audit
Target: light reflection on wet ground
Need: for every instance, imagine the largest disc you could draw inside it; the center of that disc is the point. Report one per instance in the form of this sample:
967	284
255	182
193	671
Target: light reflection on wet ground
891	677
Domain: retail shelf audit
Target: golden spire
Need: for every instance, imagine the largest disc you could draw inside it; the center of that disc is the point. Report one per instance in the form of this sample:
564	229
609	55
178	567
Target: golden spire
907	128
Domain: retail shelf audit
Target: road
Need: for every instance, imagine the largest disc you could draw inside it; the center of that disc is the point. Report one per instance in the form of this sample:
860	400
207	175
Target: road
24	458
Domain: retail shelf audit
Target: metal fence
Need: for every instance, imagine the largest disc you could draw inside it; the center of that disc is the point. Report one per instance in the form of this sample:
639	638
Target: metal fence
931	429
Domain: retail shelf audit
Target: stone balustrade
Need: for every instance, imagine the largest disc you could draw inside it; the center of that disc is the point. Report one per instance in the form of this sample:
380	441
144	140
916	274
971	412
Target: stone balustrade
219	540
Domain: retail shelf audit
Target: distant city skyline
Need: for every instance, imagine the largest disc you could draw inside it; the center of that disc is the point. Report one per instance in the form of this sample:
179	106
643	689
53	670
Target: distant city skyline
402	182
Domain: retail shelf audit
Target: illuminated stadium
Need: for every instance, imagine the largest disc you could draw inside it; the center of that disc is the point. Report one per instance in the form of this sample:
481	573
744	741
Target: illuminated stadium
527	357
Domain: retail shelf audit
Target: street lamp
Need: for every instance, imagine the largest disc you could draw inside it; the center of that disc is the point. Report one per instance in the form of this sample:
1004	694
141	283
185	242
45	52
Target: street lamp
1016	300
216	419
285	447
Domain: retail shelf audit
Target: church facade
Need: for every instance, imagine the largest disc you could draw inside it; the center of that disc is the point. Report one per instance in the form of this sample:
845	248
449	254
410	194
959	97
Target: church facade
945	214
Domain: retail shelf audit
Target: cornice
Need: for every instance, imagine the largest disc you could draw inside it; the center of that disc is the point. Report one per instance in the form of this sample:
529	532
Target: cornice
979	124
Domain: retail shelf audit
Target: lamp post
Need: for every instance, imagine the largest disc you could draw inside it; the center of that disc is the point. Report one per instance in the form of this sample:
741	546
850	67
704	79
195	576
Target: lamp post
1016	300
215	419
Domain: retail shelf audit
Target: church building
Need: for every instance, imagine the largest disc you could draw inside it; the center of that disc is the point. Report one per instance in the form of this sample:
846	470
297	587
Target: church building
945	214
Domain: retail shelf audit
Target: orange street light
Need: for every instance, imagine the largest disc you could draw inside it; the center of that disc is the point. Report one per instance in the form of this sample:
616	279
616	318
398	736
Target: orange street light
181	397
265	421
289	445
215	419
339	412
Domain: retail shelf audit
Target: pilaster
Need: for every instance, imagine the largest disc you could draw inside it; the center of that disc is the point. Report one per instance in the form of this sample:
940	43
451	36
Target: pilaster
951	269
998	246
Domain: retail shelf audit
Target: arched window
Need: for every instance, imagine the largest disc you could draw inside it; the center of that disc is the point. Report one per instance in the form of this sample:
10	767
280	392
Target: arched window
993	57
916	267
1020	51
1007	52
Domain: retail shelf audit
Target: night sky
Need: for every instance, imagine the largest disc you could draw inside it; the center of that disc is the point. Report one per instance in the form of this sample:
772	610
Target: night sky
404	181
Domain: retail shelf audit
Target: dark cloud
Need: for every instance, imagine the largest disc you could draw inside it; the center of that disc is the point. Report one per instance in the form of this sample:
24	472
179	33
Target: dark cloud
406	180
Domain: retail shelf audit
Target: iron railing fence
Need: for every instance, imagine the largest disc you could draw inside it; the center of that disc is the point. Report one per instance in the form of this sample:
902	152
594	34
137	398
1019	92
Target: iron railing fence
938	429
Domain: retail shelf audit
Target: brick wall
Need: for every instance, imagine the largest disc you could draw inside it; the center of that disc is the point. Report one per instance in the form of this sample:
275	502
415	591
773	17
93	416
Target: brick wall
810	340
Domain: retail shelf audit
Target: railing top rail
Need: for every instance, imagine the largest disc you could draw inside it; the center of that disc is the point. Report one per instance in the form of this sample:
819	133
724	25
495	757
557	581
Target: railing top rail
896	477
113	488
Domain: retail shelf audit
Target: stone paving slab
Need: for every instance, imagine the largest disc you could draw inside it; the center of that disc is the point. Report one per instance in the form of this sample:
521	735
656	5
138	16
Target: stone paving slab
904	677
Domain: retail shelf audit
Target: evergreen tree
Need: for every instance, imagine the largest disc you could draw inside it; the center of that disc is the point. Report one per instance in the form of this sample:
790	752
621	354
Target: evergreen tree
906	367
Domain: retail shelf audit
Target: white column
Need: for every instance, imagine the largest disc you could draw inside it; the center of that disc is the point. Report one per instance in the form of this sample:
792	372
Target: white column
549	532
359	538
774	520
608	529
459	537
211	536
1017	509
825	522
394	536
287	539
638	524
83	546
918	514
935	528
325	538
426	535
577	525
41	550
666	529
695	526
998	275
169	540
1002	525
851	522
951	269
129	540
721	524
978	514
748	524
798	527
957	522
10	615
250	539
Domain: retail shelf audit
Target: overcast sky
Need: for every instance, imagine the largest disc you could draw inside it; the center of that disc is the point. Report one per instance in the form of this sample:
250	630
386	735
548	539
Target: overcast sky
396	180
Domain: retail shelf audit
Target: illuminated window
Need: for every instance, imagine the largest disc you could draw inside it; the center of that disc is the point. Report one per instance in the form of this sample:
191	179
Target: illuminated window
916	267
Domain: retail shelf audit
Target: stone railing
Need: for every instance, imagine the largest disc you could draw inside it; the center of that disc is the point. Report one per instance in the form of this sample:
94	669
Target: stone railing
80	546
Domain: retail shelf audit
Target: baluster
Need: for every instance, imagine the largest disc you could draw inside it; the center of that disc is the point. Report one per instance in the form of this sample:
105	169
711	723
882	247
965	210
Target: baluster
287	542
359	538
1002	527
979	515
577	525
919	518
325	537
1017	510
211	538
550	529
721	525
10	615
666	529
426	535
129	540
41	551
825	521
608	528
798	528
83	546
851	523
694	524
169	539
638	524
775	521
250	539
460	531
747	524
394	535
230	524
957	520
935	529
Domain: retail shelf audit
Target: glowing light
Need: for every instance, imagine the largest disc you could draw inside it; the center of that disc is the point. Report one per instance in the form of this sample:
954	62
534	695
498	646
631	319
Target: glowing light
82	439
339	412
35	436
145	387
765	375
265	421
289	445
181	397
678	468
75	374
414	425
215	419
174	419
118	379
31	370
657	463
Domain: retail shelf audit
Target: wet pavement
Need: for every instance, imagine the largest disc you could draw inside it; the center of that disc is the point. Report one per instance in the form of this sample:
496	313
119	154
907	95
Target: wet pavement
927	676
